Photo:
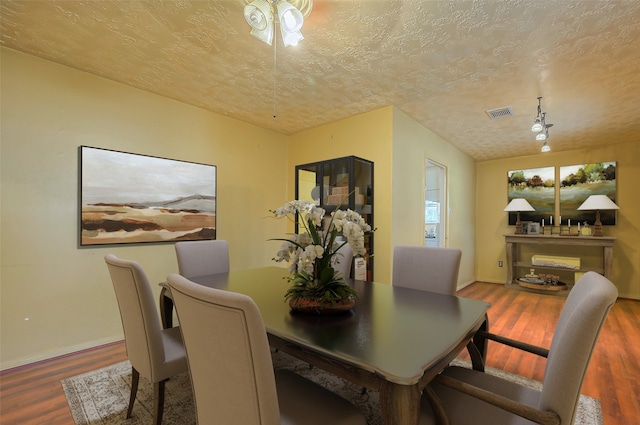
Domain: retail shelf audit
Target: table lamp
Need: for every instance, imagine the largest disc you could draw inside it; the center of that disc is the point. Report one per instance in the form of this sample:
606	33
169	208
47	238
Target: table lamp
597	203
517	205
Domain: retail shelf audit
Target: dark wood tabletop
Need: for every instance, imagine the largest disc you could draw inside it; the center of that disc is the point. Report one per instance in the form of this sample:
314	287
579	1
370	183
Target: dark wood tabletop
395	340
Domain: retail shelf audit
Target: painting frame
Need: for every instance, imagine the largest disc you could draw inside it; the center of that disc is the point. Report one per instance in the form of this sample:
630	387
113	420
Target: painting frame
130	198
578	182
538	187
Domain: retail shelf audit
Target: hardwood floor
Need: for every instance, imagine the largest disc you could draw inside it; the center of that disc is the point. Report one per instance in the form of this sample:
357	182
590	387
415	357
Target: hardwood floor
613	375
33	395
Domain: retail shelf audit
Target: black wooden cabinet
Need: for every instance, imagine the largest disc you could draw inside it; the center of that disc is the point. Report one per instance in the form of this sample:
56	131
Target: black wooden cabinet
340	183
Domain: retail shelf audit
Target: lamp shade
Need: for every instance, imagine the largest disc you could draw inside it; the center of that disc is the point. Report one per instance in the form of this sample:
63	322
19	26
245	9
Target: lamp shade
519	204
598	202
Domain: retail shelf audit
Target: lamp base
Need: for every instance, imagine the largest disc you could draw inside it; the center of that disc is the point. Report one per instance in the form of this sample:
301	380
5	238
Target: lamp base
597	227
518	225
519	229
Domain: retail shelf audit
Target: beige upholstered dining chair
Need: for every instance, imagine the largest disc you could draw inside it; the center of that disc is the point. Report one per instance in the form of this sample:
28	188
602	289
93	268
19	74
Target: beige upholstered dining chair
201	258
155	353
342	261
459	391
240	386
426	268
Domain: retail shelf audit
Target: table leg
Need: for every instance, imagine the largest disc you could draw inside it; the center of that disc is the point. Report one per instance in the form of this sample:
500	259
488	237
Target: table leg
400	404
480	343
166	308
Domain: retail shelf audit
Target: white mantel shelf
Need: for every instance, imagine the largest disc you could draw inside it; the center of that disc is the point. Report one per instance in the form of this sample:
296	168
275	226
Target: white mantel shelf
514	240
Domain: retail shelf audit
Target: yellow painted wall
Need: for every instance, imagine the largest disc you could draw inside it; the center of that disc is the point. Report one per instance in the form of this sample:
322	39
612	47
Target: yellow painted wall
491	222
48	111
367	136
398	147
412	145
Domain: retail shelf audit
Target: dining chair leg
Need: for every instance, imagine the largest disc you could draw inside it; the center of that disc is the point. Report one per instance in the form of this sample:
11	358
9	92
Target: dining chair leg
135	377
158	402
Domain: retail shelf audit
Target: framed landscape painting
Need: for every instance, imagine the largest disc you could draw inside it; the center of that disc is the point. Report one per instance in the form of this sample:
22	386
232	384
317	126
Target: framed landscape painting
537	186
130	198
578	182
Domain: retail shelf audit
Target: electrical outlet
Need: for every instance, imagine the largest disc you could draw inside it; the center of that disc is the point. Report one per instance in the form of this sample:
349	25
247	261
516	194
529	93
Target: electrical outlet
500	263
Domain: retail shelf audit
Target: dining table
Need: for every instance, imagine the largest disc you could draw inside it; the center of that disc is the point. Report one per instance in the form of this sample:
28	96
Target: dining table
394	341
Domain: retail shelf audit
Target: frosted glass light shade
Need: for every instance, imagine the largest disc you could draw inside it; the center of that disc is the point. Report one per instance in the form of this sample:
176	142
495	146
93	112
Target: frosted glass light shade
290	18
259	17
537	126
291	21
258	14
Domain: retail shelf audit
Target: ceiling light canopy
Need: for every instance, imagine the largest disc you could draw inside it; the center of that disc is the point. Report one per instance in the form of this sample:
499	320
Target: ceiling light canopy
541	127
261	16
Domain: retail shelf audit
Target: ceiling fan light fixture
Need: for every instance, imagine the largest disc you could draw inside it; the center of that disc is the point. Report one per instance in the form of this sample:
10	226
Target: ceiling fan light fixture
259	16
541	136
291	38
545	147
262	16
290	18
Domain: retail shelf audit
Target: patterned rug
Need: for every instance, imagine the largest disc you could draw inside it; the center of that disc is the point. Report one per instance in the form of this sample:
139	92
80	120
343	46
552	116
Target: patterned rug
100	397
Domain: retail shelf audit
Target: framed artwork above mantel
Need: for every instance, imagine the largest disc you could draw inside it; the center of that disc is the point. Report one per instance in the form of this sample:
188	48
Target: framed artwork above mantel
578	182
537	186
575	184
130	198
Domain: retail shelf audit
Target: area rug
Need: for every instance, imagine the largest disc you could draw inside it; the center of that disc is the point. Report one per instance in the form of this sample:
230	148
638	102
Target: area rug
100	397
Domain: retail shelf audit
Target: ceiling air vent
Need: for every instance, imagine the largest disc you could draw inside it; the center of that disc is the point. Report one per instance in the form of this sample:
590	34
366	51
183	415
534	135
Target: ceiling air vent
494	114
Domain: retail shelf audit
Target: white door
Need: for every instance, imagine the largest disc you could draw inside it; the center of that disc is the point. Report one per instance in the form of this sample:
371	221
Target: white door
435	204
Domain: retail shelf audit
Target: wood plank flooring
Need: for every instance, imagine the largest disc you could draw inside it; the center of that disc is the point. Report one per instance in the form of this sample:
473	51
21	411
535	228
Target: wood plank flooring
32	395
613	375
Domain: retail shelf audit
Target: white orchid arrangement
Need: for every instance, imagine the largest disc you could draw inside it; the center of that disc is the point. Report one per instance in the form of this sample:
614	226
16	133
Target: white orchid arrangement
311	252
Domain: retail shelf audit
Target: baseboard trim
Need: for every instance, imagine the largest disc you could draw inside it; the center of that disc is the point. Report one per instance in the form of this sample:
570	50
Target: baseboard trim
56	354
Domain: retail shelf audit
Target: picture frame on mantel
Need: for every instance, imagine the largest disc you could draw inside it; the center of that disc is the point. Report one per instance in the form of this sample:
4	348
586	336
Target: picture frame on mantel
128	198
578	182
533	228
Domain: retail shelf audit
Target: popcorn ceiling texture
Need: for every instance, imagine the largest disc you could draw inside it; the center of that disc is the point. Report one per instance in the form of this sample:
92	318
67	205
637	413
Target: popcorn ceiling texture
444	63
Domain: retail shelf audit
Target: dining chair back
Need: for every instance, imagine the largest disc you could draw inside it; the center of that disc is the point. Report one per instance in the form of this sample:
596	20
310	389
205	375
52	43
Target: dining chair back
426	268
240	386
573	342
201	258
155	353
342	261
571	348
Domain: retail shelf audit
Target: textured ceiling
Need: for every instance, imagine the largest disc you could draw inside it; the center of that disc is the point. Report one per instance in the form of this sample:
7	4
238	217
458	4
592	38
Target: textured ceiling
444	63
